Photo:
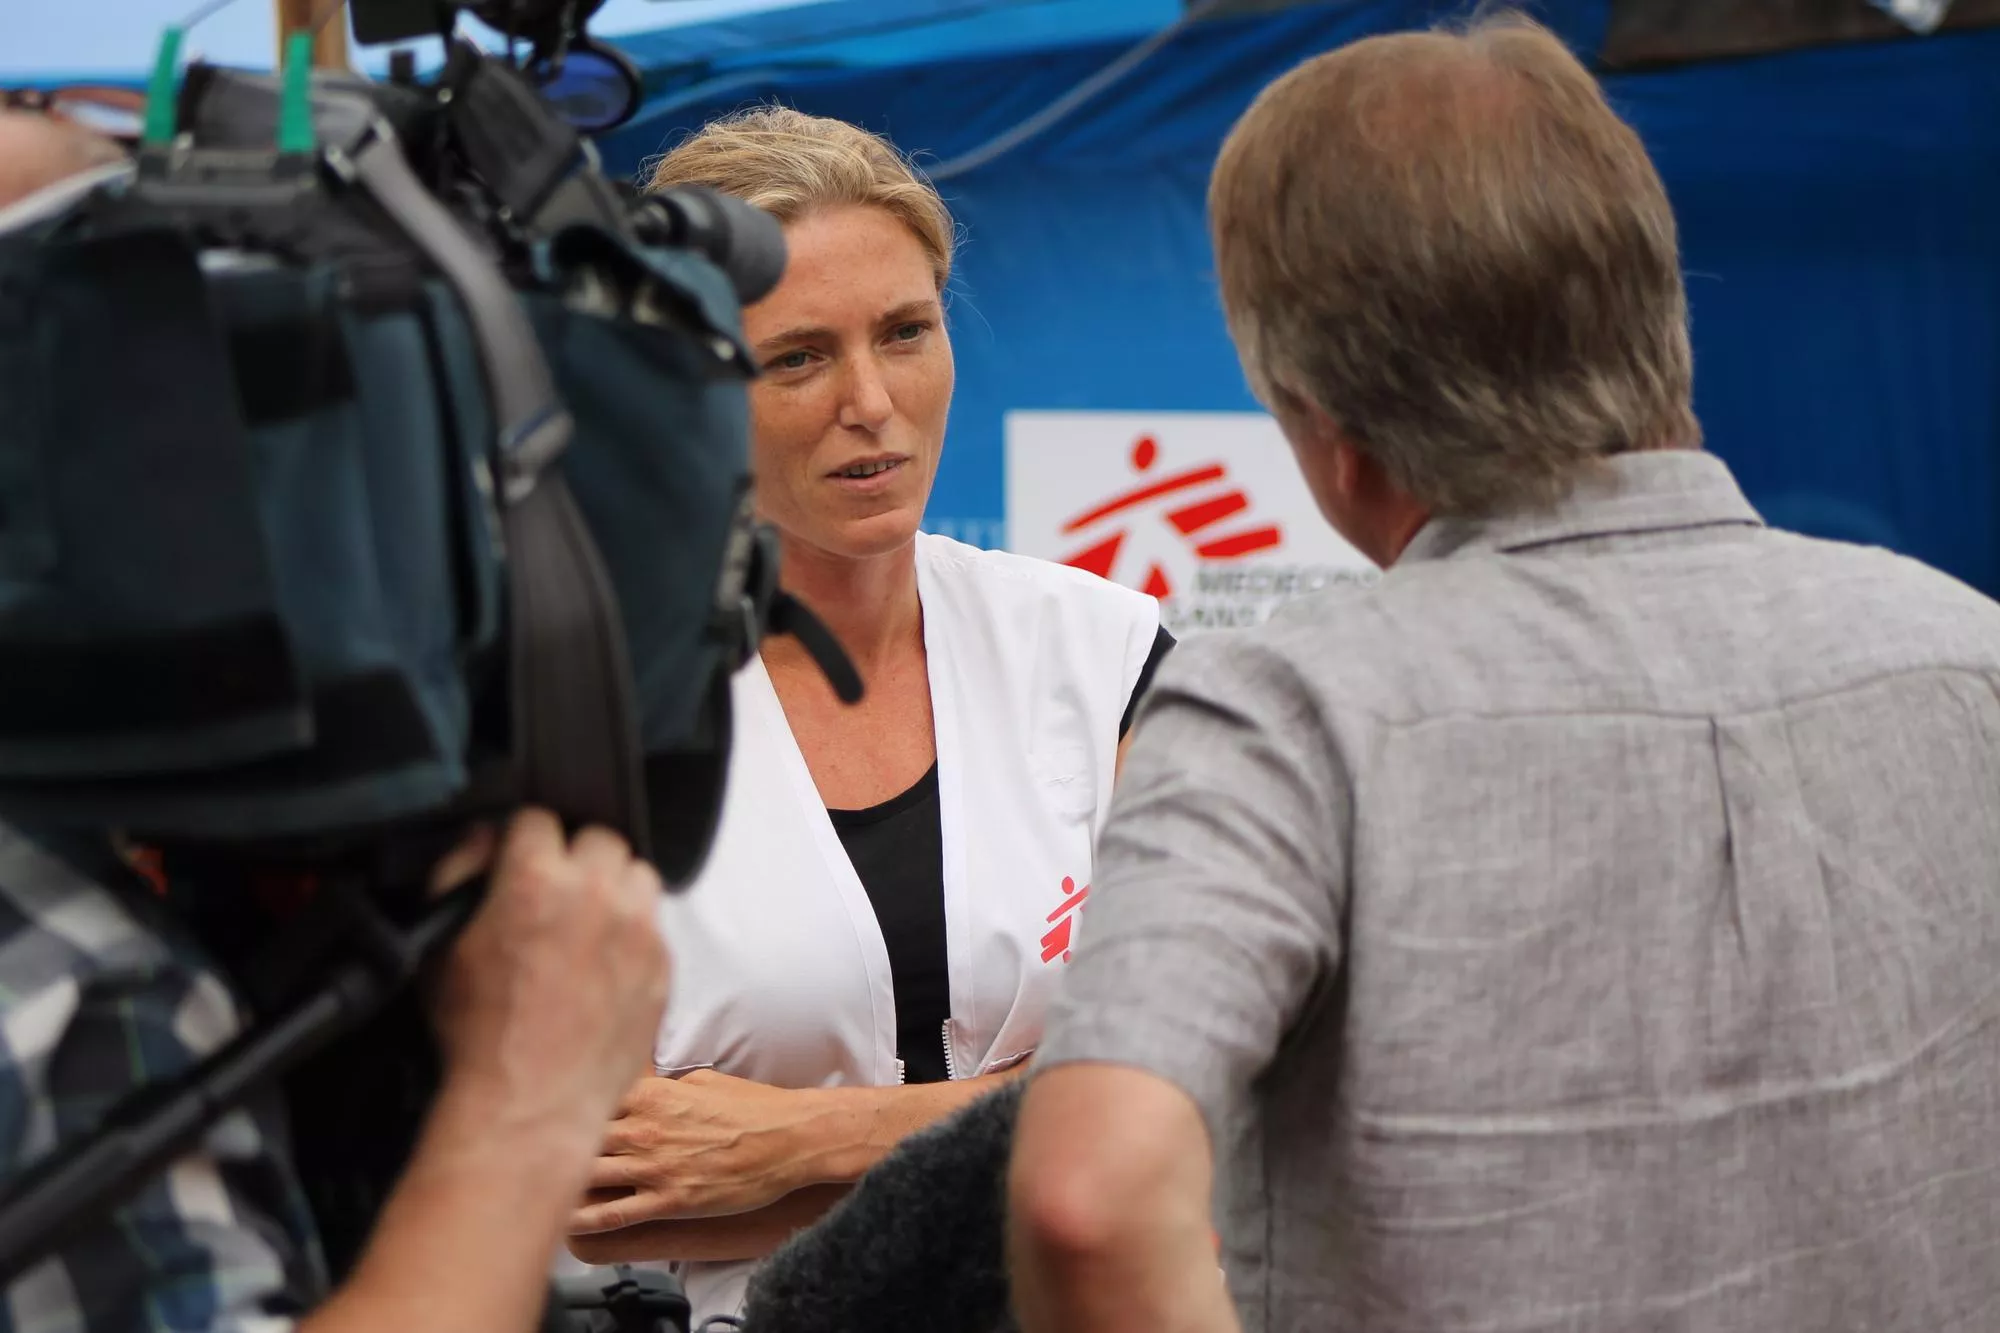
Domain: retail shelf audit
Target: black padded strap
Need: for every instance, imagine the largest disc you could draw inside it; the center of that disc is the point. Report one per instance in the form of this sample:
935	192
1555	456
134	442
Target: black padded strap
576	735
576	731
791	616
534	427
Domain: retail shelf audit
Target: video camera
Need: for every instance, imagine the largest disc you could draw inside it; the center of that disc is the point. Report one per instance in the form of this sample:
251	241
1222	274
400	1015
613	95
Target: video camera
371	463
384	458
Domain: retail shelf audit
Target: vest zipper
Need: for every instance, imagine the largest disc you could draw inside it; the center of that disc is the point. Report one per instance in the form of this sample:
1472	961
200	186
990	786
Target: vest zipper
950	1066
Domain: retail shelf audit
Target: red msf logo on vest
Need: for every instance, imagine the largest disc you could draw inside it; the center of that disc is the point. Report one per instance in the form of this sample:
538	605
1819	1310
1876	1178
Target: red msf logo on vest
1193	502
1062	922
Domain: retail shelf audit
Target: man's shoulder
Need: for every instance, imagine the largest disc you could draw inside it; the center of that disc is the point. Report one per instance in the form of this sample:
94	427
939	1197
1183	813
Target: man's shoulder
1793	617
1701	629
1873	577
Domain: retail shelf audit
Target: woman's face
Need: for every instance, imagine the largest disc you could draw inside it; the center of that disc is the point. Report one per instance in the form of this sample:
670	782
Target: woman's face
848	418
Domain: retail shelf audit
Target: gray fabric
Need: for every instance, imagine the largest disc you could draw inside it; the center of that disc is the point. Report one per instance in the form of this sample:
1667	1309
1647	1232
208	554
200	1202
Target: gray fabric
1591	926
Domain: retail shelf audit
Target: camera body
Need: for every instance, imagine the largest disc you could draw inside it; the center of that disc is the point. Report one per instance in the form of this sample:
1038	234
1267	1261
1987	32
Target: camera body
631	1300
398	473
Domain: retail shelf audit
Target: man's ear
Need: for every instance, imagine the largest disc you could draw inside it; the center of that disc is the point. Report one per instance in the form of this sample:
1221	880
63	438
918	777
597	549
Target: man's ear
1347	466
1324	450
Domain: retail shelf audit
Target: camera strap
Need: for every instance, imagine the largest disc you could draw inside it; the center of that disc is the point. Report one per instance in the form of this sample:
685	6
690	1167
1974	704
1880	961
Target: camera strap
575	731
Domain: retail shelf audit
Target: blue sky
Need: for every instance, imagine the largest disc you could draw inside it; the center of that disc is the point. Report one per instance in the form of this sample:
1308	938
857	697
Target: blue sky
45	38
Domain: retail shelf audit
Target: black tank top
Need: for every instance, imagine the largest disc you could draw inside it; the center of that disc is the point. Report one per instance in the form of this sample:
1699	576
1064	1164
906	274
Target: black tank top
897	849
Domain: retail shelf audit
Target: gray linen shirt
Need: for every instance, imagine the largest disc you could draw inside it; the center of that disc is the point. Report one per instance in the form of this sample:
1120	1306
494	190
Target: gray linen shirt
1594	925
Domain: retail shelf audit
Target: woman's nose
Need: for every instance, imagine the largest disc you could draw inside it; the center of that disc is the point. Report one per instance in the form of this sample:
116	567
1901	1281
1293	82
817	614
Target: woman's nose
867	404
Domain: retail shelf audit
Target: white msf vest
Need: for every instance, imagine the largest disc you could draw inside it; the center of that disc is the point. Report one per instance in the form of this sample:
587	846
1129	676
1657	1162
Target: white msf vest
780	972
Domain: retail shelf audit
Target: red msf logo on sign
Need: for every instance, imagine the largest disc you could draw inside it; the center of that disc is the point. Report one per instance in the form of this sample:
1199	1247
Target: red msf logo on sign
1062	921
1201	498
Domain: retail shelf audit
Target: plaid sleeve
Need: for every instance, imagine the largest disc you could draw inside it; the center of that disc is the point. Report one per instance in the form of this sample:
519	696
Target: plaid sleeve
97	1001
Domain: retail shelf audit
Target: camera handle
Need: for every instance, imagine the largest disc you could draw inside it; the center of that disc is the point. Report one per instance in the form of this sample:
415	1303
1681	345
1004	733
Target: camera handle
626	1300
46	1206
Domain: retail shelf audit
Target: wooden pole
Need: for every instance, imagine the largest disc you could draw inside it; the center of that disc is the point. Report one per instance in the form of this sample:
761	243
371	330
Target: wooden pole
330	48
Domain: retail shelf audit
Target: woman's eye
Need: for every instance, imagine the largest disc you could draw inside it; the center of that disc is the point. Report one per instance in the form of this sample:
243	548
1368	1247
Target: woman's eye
909	333
791	361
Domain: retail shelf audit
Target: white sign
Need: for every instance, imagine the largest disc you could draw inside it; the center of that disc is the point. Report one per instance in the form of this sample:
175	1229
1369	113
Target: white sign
1204	510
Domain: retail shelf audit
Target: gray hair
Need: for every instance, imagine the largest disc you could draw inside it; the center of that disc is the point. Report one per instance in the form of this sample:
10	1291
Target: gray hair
1451	245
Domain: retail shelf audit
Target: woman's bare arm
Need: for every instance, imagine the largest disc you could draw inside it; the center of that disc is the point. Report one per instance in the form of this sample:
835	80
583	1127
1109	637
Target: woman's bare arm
713	1167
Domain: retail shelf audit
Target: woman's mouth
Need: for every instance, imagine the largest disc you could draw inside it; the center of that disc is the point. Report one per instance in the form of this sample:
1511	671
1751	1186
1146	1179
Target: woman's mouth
868	473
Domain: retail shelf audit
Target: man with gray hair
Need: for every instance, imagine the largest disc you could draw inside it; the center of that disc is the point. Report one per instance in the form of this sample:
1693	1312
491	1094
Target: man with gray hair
1591	926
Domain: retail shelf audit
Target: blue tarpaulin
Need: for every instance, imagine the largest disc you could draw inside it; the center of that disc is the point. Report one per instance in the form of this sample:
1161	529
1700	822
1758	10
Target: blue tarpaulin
1839	207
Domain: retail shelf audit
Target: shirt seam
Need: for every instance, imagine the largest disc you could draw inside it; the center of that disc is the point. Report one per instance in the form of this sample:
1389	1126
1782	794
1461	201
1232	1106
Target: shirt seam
1983	674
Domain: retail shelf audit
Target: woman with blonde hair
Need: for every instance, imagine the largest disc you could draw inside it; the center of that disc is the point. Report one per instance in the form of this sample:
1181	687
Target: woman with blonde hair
890	902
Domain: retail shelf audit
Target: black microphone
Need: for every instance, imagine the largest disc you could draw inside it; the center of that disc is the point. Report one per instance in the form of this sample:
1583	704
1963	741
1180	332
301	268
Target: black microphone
919	1244
742	239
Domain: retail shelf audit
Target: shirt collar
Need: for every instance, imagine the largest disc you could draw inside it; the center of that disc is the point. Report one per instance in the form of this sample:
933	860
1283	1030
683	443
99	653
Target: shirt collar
1655	491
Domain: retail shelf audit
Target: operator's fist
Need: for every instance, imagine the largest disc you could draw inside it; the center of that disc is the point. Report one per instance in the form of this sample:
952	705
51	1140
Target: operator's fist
550	1001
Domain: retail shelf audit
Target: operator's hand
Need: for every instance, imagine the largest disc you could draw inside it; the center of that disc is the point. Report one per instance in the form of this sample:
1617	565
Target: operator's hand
549	1003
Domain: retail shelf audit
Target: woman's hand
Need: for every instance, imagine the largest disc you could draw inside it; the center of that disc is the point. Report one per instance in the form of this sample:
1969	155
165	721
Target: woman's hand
708	1144
711	1167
